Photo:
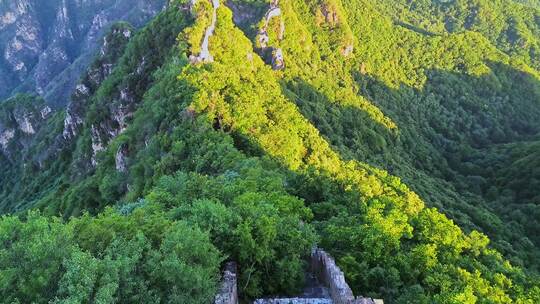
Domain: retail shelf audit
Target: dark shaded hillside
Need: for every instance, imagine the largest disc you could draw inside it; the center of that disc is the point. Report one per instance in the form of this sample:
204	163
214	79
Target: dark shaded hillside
442	148
511	172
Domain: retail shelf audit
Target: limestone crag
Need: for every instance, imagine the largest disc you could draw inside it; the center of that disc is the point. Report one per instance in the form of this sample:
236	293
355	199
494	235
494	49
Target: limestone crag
22	118
120	159
5	137
330	15
278	63
19	42
112	47
273	12
45	45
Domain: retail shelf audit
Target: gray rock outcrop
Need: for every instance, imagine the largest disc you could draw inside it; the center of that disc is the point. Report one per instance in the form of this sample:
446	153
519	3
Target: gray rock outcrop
46	45
113	45
21	118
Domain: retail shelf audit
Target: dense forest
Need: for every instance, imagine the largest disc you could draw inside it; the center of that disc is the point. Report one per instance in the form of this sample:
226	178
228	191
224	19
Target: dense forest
401	136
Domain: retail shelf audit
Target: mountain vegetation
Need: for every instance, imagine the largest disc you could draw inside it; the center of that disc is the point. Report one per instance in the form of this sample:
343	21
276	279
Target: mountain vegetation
401	136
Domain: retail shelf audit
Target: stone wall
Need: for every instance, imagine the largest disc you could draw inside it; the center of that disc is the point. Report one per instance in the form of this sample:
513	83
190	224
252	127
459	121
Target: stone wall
325	268
228	293
293	301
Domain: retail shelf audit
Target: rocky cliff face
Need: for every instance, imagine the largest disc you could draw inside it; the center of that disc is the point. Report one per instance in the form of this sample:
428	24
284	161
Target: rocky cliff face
34	136
61	146
111	49
21	118
45	45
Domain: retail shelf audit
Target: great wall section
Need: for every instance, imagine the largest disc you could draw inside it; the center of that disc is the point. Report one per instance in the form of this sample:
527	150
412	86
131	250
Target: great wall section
326	285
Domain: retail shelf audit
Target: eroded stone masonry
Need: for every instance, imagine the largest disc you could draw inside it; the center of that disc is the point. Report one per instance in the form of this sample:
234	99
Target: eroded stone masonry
323	268
228	292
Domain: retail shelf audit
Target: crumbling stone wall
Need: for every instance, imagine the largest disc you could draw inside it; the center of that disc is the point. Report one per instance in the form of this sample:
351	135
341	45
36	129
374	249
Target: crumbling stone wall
325	268
293	301
228	293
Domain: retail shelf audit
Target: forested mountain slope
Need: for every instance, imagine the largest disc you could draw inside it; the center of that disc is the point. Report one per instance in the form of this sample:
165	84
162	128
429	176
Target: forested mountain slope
512	27
253	130
455	95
